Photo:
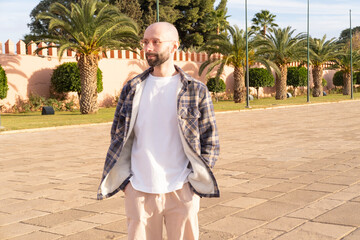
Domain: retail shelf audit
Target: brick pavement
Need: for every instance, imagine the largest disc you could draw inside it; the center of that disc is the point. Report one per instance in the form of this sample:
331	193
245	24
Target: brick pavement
286	173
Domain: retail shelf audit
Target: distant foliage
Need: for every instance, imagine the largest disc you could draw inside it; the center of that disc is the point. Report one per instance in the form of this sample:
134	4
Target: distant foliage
356	78
260	77
220	86
324	82
3	83
189	17
66	78
338	79
36	102
297	76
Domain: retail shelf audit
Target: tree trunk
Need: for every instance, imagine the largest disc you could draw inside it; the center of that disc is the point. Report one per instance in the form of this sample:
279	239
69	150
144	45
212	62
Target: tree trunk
280	84
239	85
264	33
347	83
88	66
317	73
257	91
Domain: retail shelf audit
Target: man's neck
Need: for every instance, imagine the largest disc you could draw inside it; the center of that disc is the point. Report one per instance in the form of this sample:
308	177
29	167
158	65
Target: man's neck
164	70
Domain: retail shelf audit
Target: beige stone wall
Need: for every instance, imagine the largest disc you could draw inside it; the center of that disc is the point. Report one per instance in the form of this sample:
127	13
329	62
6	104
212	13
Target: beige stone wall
29	73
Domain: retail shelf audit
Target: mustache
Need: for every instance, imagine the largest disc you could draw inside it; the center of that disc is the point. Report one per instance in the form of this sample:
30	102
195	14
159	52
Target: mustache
151	54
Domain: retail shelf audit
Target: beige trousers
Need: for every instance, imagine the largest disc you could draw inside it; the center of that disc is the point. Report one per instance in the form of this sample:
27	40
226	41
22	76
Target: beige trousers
147	212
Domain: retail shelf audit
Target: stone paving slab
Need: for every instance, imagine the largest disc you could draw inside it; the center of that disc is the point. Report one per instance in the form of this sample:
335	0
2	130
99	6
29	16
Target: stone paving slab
286	173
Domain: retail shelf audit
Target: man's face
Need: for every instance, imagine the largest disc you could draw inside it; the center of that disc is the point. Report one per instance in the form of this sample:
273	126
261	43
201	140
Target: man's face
157	44
157	57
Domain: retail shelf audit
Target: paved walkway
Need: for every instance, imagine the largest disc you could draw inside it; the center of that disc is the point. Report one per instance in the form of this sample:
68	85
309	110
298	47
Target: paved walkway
288	173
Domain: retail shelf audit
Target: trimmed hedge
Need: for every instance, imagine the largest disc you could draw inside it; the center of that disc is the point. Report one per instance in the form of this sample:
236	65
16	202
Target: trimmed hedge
356	78
260	77
66	78
338	79
3	83
297	76
220	86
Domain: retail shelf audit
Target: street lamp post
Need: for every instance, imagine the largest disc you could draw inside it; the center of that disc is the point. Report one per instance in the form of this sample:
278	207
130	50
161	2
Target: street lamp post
351	64
157	10
247	59
308	57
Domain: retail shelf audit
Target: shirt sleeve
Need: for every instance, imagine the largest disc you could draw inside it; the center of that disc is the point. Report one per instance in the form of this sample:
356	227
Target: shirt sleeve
121	101
209	138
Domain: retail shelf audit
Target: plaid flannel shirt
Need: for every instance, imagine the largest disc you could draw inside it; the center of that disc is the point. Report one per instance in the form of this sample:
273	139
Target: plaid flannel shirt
196	121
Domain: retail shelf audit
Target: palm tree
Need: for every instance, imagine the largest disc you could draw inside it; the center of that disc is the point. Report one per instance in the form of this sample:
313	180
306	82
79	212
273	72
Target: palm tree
342	63
321	51
262	21
233	51
216	19
89	28
276	51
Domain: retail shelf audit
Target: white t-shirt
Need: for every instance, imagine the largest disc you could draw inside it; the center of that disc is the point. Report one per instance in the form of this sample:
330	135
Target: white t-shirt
158	160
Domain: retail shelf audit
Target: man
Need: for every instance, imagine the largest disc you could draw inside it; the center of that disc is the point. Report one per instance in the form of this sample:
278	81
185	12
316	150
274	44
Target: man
164	142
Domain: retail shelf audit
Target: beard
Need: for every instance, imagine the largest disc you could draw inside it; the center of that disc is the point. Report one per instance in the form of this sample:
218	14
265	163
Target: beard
158	59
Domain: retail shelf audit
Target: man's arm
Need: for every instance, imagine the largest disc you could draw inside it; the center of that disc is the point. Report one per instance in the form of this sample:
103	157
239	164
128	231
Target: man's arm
209	138
122	97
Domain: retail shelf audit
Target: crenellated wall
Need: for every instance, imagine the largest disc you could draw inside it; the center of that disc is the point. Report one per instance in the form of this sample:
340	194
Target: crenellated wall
29	73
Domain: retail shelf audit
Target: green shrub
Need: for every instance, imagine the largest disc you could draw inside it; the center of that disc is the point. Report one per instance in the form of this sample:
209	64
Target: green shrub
260	77
356	77
324	82
66	78
216	86
36	102
296	77
338	79
3	83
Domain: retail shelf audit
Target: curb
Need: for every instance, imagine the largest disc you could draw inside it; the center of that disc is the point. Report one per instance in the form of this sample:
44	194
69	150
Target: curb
52	128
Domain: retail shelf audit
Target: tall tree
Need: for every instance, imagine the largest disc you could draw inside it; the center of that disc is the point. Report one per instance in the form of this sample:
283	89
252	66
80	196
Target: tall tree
321	51
233	50
190	24
89	28
342	63
168	11
39	27
222	5
345	34
130	8
277	50
216	21
263	21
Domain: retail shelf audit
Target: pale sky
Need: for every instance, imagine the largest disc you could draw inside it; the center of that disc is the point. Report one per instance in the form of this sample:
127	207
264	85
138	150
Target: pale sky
328	17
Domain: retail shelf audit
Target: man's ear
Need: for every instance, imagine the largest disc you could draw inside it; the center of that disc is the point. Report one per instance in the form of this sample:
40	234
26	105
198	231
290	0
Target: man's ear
175	46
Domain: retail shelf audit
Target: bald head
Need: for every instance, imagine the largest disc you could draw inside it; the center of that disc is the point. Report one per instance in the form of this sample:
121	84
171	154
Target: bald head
162	30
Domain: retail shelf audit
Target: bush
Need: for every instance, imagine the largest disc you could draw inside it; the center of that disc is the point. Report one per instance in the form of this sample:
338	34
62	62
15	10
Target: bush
260	77
214	86
3	83
338	79
36	102
356	78
324	82
296	77
66	78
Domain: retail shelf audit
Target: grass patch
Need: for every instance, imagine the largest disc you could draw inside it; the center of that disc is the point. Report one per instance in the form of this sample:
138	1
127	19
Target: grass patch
271	102
18	121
